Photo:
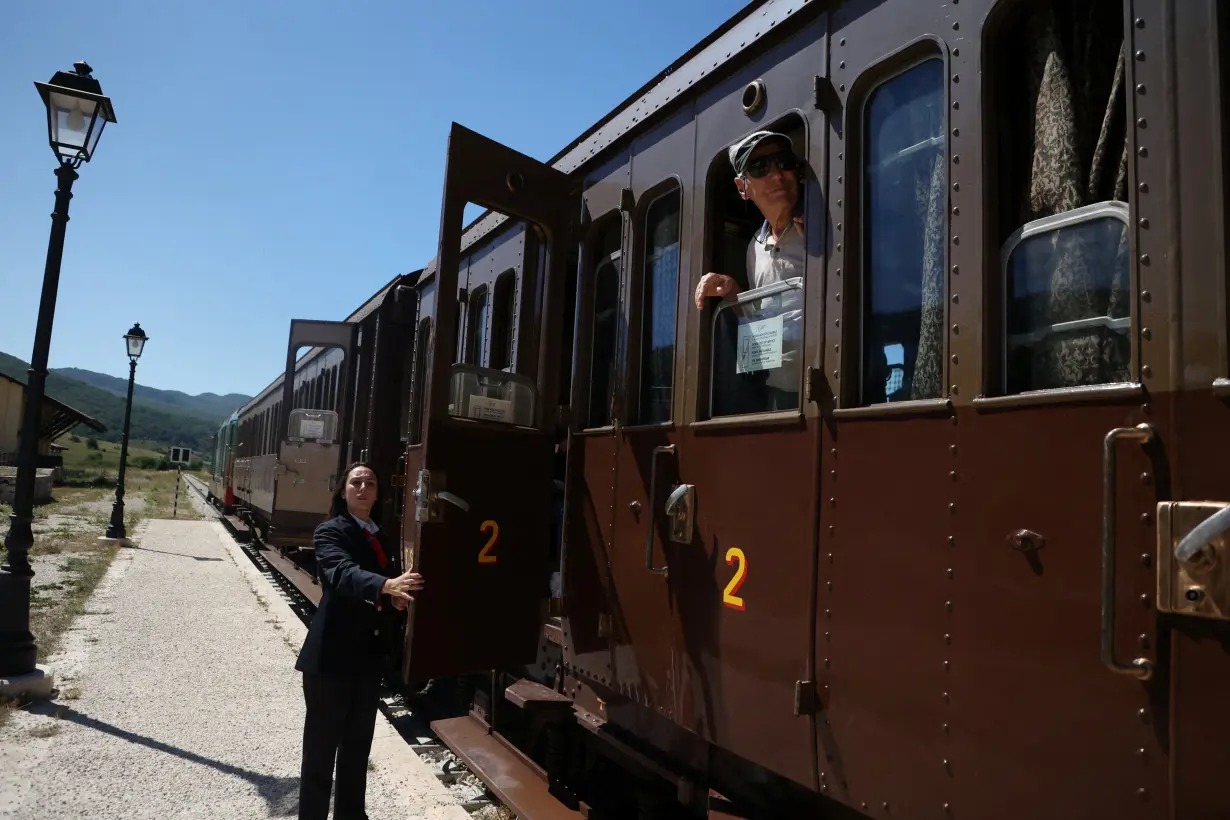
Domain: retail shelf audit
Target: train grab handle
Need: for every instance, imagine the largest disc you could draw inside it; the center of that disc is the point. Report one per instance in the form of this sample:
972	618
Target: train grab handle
653	492
1140	668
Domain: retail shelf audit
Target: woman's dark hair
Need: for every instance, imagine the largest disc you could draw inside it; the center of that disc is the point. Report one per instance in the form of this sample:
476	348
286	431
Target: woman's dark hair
339	507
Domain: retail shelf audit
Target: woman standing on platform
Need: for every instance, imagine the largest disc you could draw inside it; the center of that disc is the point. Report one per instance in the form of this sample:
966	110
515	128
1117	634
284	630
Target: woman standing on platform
344	654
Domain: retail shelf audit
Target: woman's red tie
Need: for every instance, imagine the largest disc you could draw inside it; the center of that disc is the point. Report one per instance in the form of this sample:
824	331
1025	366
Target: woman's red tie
371	537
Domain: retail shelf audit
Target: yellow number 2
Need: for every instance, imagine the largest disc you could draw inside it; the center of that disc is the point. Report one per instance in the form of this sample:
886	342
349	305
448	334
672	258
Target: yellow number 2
728	595
494	529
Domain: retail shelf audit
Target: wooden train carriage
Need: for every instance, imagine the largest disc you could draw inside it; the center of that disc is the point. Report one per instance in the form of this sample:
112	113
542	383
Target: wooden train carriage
943	582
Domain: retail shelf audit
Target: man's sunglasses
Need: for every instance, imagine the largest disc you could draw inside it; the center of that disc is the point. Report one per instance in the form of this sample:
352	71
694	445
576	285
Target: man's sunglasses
784	160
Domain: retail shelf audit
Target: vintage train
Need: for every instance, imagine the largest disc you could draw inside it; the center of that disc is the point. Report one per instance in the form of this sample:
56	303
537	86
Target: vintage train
968	562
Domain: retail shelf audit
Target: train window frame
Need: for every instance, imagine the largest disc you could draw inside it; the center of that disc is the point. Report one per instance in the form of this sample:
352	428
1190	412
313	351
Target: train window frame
813	200
873	81
1002	226
636	281
616	259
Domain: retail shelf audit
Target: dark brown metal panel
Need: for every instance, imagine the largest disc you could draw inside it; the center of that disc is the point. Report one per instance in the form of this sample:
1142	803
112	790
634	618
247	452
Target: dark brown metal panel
484	569
645	628
882	613
1196	64
1180	50
588	587
392	362
744	590
1153	186
1200	657
644	625
1022	639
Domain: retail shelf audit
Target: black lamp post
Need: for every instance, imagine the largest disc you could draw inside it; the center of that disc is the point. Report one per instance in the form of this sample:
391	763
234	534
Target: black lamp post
77	111
136	339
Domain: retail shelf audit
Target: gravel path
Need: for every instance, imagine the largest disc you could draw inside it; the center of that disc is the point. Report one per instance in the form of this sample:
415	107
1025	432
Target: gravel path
178	699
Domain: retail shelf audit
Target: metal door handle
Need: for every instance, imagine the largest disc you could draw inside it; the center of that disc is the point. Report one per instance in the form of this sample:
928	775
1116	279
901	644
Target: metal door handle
653	488
455	500
1141	668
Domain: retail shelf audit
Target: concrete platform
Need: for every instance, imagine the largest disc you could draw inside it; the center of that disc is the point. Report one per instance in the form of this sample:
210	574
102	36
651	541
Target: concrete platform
178	698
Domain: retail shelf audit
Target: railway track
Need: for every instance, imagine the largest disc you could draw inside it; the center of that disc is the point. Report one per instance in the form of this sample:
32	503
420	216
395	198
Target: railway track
410	717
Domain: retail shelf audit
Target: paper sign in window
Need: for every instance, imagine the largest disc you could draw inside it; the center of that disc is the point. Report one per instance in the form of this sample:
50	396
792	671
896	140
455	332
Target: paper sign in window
760	345
485	409
311	428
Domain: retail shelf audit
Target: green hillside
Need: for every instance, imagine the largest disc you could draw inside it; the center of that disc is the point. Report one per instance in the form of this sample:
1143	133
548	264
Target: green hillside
207	405
159	423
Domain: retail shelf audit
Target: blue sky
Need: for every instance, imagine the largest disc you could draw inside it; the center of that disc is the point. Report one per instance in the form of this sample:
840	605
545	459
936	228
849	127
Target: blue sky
275	160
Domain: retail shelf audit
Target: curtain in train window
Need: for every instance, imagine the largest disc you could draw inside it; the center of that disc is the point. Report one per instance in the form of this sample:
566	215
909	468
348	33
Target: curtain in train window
904	205
1063	164
659	296
606	325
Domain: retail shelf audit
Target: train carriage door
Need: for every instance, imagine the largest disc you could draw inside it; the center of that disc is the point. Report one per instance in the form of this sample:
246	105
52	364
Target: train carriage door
480	490
309	441
745	573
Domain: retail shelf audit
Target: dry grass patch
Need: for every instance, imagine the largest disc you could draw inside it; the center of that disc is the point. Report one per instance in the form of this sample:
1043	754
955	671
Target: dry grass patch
46	730
69	559
54	606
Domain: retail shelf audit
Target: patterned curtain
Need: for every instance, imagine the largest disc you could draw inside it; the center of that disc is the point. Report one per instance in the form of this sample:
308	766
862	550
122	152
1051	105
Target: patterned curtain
1078	156
931	194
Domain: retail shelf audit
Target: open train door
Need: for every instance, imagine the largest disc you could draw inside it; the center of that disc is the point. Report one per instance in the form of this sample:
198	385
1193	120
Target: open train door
479	482
310	445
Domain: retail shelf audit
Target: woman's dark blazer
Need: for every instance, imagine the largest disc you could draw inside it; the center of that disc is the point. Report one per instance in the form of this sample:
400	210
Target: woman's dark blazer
348	636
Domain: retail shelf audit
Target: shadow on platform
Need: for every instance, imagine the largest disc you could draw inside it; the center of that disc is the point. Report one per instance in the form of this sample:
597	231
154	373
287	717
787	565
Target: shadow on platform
281	794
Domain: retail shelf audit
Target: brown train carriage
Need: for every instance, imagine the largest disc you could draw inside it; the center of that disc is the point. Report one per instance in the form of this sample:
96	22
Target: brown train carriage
943	584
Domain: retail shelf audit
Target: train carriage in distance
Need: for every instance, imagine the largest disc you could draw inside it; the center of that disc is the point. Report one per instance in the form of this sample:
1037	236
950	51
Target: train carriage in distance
945	569
293	439
221	491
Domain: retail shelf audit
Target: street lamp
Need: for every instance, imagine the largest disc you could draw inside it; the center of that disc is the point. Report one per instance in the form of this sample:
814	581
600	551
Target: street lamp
77	111
136	339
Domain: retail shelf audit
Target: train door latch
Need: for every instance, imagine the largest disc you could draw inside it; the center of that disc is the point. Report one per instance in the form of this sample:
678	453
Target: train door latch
1193	558
429	492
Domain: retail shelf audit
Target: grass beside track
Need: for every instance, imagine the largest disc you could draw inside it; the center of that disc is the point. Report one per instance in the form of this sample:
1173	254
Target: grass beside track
68	554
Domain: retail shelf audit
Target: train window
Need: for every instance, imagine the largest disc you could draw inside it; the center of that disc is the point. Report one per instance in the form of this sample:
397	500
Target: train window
904	225
606	325
422	344
502	320
658	299
1091	344
476	331
1061	146
757	333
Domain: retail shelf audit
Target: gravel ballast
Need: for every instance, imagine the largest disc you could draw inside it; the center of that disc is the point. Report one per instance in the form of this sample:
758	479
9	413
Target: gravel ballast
178	698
